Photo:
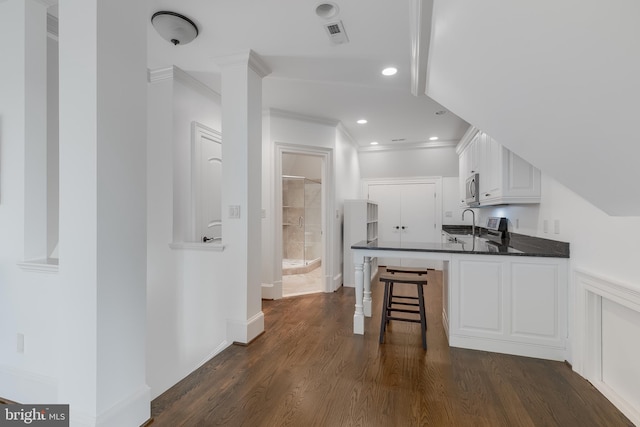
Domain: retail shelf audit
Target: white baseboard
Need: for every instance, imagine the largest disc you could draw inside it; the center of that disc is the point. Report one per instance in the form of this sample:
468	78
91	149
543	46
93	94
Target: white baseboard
133	410
23	386
272	290
244	332
337	281
508	347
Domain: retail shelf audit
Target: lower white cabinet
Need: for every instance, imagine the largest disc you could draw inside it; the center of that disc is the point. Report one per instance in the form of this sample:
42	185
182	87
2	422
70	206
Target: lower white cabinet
512	304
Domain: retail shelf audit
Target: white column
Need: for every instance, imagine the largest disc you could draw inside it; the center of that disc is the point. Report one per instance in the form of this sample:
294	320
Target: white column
242	191
366	300
103	211
358	315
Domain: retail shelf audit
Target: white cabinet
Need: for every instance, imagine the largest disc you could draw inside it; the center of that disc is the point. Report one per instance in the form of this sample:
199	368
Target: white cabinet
516	304
504	176
360	223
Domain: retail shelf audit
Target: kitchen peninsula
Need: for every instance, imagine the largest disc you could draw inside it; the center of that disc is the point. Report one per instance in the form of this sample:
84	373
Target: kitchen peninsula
506	297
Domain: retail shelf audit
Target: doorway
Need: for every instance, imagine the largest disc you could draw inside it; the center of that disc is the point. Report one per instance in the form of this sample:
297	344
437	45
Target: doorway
302	214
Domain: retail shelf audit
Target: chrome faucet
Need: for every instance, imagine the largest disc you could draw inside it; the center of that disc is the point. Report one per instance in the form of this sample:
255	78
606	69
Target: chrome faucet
473	217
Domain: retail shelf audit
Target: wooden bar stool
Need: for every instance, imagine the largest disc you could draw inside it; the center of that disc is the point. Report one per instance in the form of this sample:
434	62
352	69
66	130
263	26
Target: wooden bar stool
420	271
390	300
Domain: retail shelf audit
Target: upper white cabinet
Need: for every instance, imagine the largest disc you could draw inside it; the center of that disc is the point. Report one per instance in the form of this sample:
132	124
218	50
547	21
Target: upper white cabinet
504	176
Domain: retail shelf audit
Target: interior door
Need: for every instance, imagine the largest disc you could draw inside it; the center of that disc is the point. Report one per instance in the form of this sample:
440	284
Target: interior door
418	212
389	220
209	217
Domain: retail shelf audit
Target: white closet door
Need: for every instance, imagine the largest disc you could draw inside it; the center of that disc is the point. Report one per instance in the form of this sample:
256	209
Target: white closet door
406	213
389	220
418	211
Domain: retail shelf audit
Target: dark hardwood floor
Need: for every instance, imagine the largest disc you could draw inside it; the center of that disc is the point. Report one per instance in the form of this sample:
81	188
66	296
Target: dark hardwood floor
308	369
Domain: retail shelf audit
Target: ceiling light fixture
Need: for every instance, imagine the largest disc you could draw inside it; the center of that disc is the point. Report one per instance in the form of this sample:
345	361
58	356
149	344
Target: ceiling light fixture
389	71
433	138
374	143
361	121
174	28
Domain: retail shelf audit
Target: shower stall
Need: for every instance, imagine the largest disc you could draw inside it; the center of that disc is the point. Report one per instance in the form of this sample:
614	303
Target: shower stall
301	224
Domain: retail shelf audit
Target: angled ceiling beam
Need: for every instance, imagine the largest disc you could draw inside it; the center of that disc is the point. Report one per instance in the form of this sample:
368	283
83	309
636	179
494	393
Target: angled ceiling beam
420	38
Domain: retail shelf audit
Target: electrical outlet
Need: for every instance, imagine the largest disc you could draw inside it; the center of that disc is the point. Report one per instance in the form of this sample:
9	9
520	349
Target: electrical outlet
556	226
517	223
234	211
448	214
264	213
545	226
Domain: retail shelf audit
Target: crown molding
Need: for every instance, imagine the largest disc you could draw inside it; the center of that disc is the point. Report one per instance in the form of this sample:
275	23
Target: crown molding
48	3
275	112
341	127
249	57
175	73
409	146
466	139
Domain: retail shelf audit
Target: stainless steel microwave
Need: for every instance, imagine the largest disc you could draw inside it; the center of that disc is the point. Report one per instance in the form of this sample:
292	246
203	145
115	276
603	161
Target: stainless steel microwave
472	186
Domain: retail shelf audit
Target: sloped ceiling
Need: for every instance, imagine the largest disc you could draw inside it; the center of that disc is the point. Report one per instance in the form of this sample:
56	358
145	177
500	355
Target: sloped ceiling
556	82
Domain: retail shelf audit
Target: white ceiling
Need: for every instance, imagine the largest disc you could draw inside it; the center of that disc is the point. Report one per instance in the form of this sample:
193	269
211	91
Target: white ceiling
310	75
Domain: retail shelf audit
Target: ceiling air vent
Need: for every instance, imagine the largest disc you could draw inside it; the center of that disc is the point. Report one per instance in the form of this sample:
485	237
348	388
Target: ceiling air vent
336	32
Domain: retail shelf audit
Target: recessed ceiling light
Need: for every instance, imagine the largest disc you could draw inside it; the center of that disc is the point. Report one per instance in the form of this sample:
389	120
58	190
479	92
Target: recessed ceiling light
390	71
361	121
327	10
374	143
433	138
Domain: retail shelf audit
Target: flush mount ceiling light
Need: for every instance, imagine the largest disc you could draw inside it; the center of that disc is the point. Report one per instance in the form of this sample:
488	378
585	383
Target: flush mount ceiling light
327	10
389	71
173	27
374	143
433	138
361	121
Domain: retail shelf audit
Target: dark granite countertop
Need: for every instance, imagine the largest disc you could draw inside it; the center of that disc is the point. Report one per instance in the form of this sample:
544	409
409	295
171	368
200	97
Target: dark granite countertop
516	245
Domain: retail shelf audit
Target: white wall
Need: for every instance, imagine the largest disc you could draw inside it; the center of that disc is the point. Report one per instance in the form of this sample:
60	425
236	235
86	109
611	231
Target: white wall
435	161
187	312
347	181
601	244
29	300
306	133
568	92
307	166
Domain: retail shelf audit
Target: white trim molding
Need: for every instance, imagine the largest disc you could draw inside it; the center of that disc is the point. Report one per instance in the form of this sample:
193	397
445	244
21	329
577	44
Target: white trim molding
49	265
275	112
328	203
158	75
409	146
243	332
249	57
591	292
